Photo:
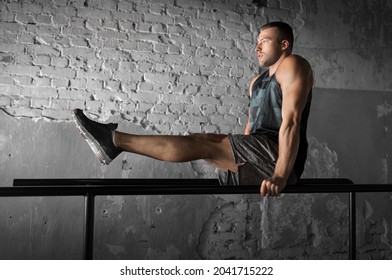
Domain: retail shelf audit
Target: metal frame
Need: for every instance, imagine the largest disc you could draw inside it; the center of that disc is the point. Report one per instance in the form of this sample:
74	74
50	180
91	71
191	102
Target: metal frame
89	188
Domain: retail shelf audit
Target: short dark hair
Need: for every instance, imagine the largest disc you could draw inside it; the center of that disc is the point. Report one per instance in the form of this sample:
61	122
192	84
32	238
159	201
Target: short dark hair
285	31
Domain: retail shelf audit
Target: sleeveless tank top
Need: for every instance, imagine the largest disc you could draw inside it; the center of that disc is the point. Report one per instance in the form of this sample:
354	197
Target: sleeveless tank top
265	115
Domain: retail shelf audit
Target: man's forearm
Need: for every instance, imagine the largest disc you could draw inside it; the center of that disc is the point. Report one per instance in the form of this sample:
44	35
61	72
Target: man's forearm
288	149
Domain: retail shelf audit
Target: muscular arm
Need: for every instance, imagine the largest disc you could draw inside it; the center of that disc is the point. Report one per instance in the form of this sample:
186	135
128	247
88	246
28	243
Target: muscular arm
295	78
247	128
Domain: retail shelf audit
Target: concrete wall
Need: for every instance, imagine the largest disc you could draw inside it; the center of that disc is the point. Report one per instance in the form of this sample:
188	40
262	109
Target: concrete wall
178	67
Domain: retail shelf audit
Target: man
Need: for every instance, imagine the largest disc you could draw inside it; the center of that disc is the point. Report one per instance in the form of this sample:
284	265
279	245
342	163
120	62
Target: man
272	152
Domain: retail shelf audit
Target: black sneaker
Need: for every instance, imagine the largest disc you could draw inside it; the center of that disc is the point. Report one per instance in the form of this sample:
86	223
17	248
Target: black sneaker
100	137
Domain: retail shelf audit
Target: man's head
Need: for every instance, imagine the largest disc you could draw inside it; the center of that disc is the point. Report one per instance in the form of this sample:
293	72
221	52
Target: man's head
275	39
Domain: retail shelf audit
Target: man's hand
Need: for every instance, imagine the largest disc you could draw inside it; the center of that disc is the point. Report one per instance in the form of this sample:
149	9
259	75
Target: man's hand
272	186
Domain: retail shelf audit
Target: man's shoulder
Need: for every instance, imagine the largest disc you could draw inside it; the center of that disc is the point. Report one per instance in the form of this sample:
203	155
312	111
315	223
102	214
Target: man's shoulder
292	65
295	60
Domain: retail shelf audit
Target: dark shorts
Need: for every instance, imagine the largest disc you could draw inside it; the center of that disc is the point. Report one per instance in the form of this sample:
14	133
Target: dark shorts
257	155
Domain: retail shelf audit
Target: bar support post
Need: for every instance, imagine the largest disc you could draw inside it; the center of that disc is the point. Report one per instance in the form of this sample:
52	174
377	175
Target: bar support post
352	227
89	206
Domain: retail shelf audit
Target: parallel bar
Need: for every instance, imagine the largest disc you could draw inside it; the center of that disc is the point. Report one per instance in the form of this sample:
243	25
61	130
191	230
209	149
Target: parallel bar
179	190
111	182
164	182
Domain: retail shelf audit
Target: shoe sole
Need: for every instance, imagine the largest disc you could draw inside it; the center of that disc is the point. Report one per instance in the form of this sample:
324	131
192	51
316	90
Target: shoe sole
100	153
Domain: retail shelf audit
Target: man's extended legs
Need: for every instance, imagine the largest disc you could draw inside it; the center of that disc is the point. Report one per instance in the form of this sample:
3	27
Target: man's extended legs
107	143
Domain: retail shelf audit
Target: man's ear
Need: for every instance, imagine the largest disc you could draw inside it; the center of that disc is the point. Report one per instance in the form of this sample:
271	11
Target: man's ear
285	45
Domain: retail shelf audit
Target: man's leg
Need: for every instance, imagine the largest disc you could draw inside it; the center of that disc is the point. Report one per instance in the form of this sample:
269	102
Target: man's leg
213	148
107	143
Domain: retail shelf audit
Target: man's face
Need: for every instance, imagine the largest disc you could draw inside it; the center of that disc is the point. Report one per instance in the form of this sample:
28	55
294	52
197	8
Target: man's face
268	48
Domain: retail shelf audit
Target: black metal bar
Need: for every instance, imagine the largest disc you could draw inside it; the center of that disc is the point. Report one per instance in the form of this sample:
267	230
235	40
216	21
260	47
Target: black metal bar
174	190
89	214
161	182
112	182
352	227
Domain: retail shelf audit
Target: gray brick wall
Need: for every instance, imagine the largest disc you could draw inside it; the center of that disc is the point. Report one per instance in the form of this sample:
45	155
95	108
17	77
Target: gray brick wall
130	58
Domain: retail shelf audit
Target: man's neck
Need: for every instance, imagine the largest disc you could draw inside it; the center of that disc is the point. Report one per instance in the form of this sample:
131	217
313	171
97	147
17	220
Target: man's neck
272	69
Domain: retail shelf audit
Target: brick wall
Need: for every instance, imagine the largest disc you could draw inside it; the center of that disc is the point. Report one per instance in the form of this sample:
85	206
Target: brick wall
179	65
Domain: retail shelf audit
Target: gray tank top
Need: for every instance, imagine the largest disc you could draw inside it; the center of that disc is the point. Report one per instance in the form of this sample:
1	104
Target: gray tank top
265	112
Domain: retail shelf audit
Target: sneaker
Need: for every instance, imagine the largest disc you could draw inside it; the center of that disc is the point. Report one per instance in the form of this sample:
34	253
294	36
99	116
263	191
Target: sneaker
100	137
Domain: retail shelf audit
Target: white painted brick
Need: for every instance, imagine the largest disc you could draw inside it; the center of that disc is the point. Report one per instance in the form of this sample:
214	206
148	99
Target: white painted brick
145	86
203	23
157	77
145	46
60	82
125	6
192	79
177	108
73	94
210	129
10	90
13	48
227	44
79	52
58	72
160	108
110	34
207	70
158	18
56	114
236	26
6	16
145	96
176	99
5	101
94	84
175	49
166	2
171	59
6	80
59	104
43	29
78	31
44	19
41	60
194	129
220	81
21	102
174	11
78	83
112	85
92	13
59	62
178	129
144	37
74	104
47	92
190	4
31	71
161	87
97	75
158	28
144	107
11	27
205	100
157	118
93	106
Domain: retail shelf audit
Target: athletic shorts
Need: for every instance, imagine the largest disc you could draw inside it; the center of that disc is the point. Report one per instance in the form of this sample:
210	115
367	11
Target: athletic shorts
257	155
